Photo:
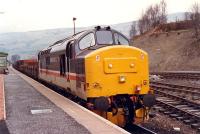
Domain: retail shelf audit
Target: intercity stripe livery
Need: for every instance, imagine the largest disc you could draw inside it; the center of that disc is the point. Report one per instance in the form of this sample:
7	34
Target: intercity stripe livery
70	76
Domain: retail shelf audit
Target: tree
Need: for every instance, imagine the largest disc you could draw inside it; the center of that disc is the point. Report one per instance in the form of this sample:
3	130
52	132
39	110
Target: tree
133	30
153	16
195	18
163	16
15	58
140	26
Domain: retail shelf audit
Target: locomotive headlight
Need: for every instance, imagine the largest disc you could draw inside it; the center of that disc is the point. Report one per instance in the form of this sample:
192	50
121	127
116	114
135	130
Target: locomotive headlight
122	79
110	65
132	65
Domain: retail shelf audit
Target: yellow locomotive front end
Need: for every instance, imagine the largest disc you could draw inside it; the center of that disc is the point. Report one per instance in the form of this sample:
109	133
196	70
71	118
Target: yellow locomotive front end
117	83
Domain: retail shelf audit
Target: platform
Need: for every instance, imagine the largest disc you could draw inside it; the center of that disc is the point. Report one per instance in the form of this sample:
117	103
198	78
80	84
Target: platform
34	109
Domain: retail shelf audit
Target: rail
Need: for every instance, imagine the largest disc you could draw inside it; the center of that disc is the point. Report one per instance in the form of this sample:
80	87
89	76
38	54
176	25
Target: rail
176	88
194	75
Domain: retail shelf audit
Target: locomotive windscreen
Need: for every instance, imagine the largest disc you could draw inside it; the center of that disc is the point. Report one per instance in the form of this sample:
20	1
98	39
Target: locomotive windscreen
106	37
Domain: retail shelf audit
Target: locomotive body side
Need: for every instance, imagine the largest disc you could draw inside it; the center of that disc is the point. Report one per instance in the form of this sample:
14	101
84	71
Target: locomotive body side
57	69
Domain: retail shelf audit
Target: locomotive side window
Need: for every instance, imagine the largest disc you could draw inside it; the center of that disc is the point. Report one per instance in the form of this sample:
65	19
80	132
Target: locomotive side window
87	41
104	37
47	60
120	40
42	62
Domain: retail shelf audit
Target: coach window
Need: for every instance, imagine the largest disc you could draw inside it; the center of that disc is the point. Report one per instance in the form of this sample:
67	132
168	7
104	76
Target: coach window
87	41
120	40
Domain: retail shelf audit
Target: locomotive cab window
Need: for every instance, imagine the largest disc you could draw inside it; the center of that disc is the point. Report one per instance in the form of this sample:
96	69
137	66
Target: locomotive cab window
120	40
87	41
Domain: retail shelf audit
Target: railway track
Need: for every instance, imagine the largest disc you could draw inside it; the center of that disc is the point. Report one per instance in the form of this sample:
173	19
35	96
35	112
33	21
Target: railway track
190	92
177	106
193	75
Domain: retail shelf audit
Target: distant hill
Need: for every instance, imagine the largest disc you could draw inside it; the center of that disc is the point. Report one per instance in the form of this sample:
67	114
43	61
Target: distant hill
27	44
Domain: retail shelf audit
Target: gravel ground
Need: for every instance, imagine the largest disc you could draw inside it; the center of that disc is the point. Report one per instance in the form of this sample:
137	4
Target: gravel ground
162	124
21	98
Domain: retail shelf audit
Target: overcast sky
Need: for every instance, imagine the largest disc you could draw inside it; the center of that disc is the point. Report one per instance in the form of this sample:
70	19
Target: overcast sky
29	15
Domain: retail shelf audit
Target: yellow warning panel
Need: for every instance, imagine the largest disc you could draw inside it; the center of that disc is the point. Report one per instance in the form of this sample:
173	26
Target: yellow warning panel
120	65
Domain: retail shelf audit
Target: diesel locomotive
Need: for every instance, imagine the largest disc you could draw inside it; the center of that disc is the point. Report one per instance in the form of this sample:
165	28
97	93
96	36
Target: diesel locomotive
100	67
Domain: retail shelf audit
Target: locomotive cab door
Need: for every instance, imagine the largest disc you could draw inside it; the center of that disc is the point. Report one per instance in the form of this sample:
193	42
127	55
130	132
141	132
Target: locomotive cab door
70	66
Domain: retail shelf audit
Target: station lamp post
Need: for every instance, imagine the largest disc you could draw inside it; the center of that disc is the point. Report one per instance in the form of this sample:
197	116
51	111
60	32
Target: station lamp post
74	19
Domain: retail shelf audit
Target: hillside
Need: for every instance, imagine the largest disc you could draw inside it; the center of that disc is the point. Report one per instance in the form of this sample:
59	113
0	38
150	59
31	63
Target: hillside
174	50
27	44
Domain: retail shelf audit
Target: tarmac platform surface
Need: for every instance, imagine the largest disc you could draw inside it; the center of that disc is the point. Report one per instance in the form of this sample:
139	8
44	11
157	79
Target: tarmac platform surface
32	108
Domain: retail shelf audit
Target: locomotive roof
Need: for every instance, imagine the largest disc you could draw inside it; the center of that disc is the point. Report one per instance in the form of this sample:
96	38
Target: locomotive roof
60	45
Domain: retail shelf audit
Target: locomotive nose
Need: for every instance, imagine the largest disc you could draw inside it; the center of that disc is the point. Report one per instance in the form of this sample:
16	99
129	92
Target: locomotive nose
116	70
